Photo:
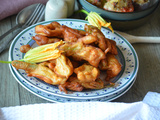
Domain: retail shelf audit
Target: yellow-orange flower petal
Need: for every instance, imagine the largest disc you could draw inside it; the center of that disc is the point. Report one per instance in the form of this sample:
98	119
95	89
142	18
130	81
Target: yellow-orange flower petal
43	53
96	20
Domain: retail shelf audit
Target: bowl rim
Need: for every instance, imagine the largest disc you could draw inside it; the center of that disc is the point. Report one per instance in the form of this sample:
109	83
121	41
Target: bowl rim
139	11
132	19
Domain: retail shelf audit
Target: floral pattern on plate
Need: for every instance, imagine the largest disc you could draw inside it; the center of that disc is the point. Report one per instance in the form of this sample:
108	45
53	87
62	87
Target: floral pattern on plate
126	55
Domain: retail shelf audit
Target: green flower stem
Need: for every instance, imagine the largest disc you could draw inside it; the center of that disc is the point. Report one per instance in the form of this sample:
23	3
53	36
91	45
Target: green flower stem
82	10
7	62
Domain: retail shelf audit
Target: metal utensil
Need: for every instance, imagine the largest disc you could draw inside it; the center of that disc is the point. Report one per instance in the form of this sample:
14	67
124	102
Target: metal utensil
28	16
139	39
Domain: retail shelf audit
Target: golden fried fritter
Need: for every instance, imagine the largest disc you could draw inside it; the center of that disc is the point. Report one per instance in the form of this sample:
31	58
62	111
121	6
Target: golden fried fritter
79	52
103	65
42	40
76	85
107	45
97	84
88	39
113	49
97	33
50	30
87	73
25	48
63	66
40	71
114	67
71	84
70	35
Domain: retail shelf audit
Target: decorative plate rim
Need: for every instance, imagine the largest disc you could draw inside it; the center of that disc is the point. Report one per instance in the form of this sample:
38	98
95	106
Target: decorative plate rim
57	99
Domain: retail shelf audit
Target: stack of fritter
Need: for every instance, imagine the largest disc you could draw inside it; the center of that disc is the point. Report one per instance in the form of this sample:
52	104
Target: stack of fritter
85	54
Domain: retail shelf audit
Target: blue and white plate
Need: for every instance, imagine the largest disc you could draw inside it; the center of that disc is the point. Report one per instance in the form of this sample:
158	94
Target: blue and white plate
126	55
58	99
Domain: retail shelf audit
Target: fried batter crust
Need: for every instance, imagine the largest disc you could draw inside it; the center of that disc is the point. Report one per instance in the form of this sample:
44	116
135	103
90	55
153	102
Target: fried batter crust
114	66
87	73
40	71
42	40
63	66
79	52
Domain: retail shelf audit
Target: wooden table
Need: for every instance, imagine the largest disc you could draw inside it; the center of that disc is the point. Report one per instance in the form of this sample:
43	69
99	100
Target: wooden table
148	78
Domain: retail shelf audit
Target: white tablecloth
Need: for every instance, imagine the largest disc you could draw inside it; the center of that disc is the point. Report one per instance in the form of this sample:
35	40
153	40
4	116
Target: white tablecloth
148	109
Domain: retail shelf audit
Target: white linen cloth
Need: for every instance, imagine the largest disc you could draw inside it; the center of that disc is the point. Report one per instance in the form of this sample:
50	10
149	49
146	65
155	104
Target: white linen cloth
148	109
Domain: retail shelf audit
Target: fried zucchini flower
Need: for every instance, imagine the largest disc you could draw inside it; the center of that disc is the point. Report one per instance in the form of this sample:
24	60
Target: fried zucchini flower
43	53
96	20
